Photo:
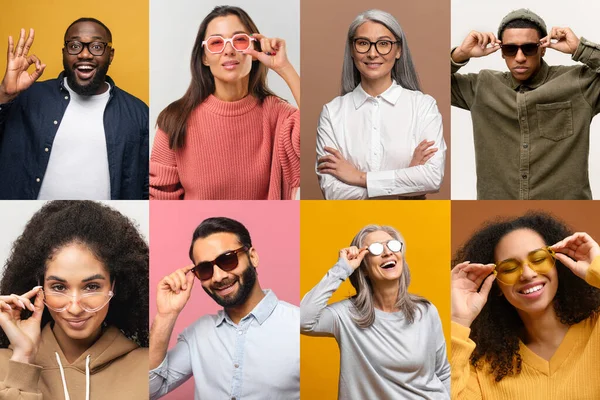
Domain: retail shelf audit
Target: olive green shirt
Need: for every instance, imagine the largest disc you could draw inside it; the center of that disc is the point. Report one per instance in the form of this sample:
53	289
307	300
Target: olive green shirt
532	139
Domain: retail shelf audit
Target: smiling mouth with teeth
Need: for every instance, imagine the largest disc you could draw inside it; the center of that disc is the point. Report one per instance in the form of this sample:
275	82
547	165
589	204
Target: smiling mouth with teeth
389	264
536	288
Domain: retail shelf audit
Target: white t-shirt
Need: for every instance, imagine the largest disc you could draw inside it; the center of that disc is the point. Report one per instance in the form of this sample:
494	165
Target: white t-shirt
378	135
78	165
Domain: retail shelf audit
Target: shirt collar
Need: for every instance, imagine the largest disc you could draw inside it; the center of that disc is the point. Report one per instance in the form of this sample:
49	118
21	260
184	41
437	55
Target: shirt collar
261	311
537	80
391	94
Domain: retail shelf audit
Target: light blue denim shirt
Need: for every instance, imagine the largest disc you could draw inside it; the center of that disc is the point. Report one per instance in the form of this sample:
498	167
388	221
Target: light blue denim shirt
259	358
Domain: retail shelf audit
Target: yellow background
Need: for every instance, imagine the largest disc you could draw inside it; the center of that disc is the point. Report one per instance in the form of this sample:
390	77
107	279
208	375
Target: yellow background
328	226
127	21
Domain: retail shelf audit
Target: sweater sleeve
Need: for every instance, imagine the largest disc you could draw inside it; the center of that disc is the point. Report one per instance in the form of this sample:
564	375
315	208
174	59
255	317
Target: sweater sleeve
164	176
593	274
442	366
21	382
288	144
589	54
465	385
316	318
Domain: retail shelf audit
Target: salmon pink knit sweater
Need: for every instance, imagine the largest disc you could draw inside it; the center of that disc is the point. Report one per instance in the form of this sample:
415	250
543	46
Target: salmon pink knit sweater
241	150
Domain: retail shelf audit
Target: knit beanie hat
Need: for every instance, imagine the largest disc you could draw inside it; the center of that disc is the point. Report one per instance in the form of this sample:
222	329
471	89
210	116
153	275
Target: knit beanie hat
524	14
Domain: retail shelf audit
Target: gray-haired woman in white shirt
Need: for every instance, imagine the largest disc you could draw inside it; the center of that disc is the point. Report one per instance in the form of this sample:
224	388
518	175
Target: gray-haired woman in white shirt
382	137
391	342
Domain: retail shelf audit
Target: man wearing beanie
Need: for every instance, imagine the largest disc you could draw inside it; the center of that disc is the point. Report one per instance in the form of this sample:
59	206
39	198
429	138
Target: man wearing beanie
531	125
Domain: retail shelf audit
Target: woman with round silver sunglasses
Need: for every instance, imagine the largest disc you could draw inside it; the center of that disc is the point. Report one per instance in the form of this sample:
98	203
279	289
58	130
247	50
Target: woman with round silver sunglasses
382	137
74	307
230	137
525	312
391	342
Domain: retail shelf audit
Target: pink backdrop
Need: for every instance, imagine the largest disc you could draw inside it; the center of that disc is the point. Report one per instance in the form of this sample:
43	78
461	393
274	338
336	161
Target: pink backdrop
275	232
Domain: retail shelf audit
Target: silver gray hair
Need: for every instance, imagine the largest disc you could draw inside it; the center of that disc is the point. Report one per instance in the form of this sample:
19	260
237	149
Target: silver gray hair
364	310
403	71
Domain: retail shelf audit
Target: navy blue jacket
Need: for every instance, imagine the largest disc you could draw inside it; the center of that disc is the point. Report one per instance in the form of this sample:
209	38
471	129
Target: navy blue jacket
29	123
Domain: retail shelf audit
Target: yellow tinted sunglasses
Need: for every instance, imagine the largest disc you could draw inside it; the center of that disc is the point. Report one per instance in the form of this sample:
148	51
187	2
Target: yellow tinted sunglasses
540	260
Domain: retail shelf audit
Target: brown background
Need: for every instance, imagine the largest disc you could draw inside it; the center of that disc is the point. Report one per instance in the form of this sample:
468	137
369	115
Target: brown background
324	25
468	216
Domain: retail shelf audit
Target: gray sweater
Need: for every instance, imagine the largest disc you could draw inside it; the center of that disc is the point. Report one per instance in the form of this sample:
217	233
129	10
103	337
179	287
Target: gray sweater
391	359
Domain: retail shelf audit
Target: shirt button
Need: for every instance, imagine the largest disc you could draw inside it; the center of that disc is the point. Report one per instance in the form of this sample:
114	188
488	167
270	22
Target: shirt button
46	149
37	180
240	332
55	122
66	97
524	176
236	365
233	398
525	145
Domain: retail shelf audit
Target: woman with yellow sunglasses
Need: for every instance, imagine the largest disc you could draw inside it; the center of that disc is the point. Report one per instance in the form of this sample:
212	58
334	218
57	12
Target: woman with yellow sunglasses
525	312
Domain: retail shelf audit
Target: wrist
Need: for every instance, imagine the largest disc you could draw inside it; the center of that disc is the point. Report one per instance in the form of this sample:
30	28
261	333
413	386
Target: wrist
4	96
459	56
462	321
25	357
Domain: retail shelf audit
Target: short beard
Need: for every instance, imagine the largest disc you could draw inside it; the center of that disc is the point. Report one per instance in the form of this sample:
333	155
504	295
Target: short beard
243	292
91	88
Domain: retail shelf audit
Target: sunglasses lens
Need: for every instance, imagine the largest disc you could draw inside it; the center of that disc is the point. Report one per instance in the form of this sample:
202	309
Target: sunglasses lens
508	272
241	42
215	44
529	49
541	261
227	261
510	50
376	249
394	246
203	271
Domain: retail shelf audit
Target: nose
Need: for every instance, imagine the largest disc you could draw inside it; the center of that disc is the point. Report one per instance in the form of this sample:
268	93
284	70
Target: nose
528	273
520	57
74	307
231	49
85	53
372	53
386	251
218	274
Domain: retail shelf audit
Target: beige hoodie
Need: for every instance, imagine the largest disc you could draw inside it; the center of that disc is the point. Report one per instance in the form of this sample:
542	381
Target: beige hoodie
117	370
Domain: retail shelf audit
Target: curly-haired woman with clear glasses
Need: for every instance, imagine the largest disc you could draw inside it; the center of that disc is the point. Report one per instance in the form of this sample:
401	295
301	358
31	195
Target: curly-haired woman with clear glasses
391	342
74	307
525	312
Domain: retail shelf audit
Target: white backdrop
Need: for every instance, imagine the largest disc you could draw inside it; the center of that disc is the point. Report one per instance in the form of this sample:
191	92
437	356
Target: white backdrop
581	16
173	30
15	214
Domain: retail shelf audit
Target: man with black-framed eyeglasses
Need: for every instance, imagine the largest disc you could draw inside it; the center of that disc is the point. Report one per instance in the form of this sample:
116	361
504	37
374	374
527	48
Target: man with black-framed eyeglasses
75	137
531	125
250	349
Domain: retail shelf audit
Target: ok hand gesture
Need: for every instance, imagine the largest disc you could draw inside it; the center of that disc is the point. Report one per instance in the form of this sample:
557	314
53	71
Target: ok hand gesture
16	79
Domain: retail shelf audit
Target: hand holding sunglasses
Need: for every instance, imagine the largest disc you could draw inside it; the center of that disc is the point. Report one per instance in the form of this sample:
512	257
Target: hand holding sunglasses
174	291
471	285
476	44
273	53
579	247
353	255
23	334
565	40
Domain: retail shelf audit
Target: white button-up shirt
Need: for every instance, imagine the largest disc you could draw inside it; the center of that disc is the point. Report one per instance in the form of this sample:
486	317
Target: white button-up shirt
378	135
256	359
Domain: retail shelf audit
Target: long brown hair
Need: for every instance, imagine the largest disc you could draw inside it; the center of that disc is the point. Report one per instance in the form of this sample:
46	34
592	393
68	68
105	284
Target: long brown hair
173	119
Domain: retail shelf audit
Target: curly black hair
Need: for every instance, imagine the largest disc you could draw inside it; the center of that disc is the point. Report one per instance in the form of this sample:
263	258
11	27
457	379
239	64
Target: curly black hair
497	327
109	235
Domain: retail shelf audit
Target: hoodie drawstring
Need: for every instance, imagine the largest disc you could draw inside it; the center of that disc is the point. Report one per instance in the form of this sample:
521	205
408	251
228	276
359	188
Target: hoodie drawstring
87	377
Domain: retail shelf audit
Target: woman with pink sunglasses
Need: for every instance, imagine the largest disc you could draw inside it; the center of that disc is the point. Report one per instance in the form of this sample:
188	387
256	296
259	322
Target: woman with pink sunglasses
74	307
229	136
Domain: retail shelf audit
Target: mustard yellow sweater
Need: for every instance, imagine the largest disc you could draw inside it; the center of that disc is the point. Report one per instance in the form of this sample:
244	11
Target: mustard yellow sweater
573	372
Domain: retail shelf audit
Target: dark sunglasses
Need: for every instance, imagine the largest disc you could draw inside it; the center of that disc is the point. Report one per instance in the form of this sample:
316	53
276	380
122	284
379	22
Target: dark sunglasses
226	261
528	49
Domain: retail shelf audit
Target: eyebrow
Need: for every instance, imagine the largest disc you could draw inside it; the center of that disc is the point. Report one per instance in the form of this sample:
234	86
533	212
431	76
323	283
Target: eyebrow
385	37
91	278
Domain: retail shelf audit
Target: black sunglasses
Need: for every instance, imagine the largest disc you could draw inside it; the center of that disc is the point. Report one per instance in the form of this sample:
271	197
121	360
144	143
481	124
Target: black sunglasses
528	49
226	261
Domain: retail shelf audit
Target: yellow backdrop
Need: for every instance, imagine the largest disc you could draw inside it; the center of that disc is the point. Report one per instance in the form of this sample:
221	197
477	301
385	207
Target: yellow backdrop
127	20
328	226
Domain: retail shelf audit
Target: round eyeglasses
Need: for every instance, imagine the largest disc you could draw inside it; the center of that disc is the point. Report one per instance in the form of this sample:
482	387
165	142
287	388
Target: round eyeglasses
393	245
89	302
239	42
75	47
540	260
383	46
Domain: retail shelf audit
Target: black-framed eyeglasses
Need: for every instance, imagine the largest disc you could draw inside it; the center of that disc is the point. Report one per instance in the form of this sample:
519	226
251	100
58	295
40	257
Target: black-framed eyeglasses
95	48
393	245
383	46
528	49
227	262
